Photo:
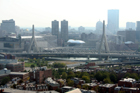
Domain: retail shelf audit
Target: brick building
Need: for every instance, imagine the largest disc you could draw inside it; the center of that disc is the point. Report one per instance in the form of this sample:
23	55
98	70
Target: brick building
91	85
127	82
53	85
23	75
16	67
78	81
33	87
107	88
90	64
40	75
8	61
126	90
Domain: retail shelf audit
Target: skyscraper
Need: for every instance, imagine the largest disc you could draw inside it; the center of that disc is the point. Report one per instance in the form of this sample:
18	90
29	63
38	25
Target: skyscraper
8	26
113	20
138	26
130	25
99	25
55	27
64	30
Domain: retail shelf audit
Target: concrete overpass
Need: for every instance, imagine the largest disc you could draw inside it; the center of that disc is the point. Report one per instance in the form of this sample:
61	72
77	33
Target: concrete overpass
79	54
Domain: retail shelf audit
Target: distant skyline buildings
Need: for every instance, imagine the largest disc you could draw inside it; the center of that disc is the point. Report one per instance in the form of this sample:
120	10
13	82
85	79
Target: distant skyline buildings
55	27
130	25
113	20
138	26
8	27
25	15
99	25
64	30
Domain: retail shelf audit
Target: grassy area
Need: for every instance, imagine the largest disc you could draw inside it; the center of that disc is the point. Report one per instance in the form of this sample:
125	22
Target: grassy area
28	64
66	62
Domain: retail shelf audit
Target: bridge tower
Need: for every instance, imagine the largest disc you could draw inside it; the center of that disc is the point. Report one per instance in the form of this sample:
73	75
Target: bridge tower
33	44
103	41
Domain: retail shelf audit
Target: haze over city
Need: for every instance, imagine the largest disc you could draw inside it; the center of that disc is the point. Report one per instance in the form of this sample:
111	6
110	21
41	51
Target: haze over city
78	12
69	46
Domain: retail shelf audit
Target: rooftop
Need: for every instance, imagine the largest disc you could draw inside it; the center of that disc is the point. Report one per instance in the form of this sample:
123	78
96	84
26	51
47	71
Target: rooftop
75	91
68	87
90	84
106	85
18	73
128	80
8	90
75	41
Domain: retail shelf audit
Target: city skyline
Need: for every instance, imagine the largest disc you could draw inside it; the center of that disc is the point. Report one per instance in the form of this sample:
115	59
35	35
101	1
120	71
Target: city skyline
77	13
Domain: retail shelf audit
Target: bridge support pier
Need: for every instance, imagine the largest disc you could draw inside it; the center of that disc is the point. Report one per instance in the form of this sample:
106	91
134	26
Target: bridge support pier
112	66
88	57
107	58
129	59
100	58
111	58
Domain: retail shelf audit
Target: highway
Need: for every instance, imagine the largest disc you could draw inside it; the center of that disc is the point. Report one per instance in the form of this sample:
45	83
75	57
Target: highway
77	54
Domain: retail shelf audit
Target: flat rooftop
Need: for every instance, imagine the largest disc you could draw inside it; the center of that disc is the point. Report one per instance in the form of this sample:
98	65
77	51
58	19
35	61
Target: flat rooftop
9	90
18	73
106	85
128	80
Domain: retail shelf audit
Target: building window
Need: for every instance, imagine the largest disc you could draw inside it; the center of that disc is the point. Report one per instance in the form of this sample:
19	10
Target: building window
9	45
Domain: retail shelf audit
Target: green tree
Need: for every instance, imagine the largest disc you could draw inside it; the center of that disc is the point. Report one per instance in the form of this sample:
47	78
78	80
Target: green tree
113	77
78	86
132	75
86	78
121	92
128	75
98	76
61	70
84	74
64	75
59	65
85	87
70	82
71	74
78	74
5	80
22	60
30	60
135	76
32	66
107	80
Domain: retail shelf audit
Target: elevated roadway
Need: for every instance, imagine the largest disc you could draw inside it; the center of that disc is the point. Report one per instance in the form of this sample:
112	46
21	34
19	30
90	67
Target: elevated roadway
79	54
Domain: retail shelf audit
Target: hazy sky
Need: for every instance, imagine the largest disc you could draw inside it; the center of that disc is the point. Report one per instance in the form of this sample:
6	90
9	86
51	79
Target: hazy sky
77	12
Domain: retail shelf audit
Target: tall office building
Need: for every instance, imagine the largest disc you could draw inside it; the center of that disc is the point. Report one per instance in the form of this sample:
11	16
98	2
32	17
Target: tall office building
113	20
55	28
138	26
130	25
8	26
64	30
99	25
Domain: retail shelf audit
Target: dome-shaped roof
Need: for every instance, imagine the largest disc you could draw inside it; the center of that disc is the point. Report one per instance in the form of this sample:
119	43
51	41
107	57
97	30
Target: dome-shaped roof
75	41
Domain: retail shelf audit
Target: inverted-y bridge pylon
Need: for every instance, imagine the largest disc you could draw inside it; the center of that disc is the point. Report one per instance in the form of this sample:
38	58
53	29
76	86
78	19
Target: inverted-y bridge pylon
103	41
33	44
